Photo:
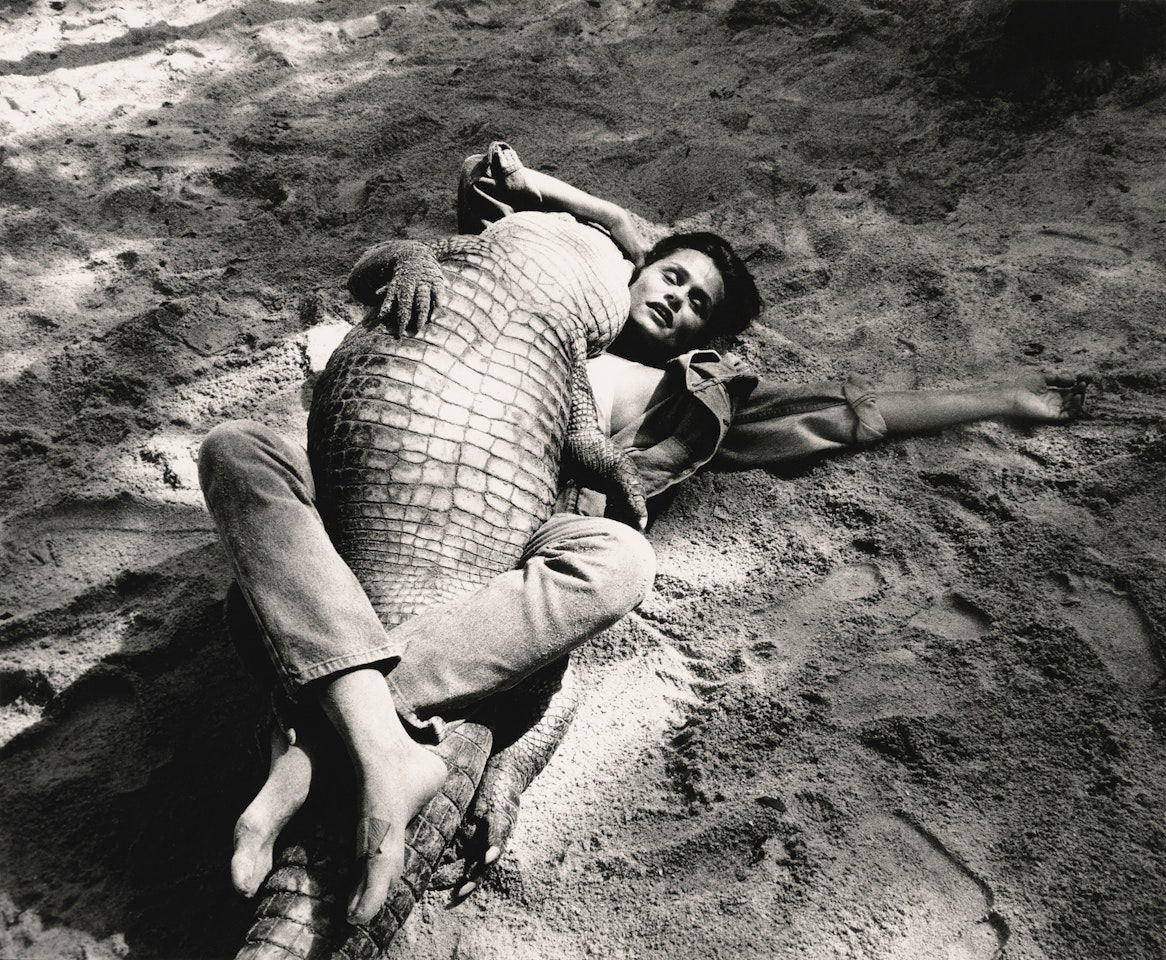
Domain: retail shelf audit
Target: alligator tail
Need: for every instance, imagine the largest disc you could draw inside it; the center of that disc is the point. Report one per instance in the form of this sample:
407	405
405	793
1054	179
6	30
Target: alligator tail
301	915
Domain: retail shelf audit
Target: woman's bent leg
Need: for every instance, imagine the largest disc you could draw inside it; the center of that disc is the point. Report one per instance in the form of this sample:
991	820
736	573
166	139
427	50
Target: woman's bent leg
578	576
316	625
312	613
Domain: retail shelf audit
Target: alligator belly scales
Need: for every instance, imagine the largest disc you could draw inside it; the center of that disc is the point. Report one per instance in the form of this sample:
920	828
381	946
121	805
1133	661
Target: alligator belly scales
436	458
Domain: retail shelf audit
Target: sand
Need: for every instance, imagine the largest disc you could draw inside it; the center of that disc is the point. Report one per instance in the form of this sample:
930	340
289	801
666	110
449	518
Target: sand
905	703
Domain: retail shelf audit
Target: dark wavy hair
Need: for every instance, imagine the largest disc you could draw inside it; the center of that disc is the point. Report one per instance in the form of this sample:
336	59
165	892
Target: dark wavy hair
742	302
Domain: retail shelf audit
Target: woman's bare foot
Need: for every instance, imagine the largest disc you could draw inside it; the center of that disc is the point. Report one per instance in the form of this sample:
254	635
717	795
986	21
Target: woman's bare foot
1050	398
278	800
398	777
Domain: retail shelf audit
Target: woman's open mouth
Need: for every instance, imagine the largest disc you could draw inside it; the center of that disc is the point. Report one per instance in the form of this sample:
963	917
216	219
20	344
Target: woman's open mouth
663	313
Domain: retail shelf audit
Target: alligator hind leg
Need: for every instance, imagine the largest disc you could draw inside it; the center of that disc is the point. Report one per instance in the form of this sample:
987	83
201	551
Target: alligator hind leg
531	723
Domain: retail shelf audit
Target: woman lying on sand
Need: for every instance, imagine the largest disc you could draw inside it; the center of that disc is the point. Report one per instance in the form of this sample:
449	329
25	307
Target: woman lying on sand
673	405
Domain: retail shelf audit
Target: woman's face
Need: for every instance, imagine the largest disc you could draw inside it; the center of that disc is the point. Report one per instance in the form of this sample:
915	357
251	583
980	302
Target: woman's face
672	300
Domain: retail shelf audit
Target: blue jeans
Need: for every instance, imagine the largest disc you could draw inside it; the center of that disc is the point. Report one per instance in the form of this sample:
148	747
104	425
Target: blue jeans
577	577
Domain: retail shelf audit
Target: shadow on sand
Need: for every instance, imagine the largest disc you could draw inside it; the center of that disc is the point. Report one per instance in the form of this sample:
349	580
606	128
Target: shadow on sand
119	803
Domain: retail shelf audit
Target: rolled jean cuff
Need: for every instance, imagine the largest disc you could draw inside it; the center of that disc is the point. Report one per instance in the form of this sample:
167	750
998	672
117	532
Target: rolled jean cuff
860	395
380	658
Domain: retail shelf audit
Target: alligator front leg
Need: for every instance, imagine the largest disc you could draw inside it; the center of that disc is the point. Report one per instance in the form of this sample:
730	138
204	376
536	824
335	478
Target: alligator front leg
401	283
590	459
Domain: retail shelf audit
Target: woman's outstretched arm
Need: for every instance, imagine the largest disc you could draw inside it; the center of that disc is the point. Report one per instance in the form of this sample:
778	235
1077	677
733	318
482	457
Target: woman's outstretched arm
1035	398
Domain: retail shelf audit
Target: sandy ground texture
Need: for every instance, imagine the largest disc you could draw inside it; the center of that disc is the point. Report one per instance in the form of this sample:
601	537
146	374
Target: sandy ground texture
906	703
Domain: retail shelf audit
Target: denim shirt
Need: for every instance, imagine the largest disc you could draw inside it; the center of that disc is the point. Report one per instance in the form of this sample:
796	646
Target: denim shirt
678	435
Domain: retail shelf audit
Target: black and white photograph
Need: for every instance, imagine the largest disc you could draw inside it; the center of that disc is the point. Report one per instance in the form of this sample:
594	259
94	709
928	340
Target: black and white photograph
571	479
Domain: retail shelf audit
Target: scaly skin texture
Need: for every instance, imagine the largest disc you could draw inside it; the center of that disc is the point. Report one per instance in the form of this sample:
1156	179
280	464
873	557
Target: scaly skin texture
531	722
435	459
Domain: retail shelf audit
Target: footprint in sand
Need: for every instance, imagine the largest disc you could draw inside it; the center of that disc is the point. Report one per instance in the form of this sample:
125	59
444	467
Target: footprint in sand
1070	241
849	583
924	901
953	617
902	682
820	603
1113	625
781	631
954	906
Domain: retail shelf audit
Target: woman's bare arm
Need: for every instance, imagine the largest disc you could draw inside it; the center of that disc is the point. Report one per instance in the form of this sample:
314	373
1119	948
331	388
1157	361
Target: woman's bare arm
559	195
1036	398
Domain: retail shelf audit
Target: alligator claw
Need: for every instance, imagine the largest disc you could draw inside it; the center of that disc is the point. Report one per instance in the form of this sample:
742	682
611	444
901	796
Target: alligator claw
525	739
412	296
401	281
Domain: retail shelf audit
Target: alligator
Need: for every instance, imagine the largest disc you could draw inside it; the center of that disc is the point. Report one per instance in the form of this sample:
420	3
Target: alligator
436	457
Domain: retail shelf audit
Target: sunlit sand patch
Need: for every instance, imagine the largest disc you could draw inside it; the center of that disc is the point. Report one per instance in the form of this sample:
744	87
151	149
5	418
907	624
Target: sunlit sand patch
27	926
612	749
1112	623
120	89
688	560
321	340
69	548
78	293
174	457
109	91
921	899
77	24
56	288
14	362
302	42
224	394
849	583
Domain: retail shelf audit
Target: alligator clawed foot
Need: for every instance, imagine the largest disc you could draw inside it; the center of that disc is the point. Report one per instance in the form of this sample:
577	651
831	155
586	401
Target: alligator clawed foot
626	501
471	884
482	839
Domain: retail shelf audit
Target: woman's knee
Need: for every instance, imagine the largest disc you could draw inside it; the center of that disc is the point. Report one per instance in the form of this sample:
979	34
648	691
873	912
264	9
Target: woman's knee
637	559
609	561
624	564
226	445
240	449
